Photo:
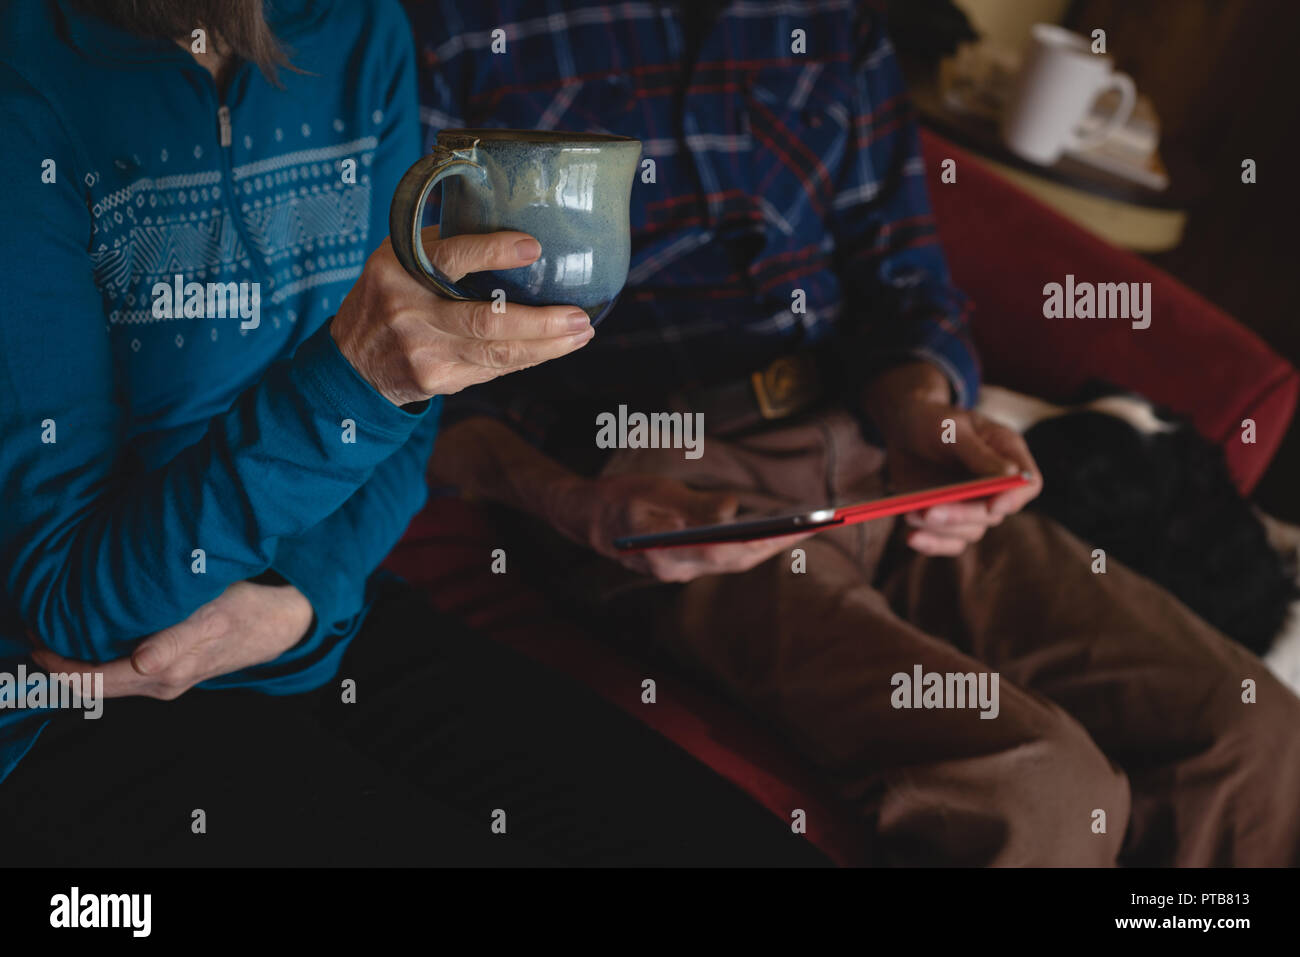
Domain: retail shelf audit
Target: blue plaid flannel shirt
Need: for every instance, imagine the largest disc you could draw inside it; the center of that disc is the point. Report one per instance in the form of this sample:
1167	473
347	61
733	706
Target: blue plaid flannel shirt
775	170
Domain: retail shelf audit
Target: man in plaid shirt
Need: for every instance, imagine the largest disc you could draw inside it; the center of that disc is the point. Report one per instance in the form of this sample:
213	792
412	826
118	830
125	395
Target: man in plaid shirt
786	282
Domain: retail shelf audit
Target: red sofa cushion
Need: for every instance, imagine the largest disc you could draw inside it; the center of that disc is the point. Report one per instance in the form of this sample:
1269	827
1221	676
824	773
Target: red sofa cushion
447	551
1003	246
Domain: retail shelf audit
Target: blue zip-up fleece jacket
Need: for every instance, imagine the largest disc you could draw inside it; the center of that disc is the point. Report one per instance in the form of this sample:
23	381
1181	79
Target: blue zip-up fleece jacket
156	448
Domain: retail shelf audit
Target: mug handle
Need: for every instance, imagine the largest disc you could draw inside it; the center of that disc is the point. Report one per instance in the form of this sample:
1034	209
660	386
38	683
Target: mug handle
1127	101
407	211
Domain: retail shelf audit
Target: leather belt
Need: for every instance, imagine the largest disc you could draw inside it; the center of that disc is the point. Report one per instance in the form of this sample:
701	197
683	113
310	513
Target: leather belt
786	386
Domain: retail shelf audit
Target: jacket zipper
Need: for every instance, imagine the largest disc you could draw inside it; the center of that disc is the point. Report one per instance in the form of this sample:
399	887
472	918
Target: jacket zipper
225	136
223	122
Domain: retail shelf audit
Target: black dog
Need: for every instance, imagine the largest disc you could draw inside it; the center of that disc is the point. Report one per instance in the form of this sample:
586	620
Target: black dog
1145	486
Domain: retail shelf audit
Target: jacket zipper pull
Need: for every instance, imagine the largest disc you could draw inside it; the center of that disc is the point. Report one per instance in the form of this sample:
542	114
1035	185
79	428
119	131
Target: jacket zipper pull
223	120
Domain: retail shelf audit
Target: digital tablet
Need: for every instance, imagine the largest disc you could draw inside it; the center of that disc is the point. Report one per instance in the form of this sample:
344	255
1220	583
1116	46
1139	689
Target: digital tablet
773	526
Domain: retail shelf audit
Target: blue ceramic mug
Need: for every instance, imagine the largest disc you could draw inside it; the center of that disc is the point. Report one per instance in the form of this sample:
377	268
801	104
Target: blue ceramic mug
569	191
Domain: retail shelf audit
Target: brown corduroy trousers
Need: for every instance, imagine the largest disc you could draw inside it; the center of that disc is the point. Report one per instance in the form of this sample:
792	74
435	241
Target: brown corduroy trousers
1125	730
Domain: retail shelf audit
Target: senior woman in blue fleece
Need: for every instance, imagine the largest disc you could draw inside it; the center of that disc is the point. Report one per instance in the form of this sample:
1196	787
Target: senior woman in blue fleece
218	393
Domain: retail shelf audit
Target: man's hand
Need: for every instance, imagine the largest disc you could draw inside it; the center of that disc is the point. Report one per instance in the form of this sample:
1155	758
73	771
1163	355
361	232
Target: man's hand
594	512
245	625
411	344
909	404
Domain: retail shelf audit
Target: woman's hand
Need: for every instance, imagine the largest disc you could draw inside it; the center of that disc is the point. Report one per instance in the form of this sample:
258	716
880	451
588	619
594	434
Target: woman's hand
245	625
411	344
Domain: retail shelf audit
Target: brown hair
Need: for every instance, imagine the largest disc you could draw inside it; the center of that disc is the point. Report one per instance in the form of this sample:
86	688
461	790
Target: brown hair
234	27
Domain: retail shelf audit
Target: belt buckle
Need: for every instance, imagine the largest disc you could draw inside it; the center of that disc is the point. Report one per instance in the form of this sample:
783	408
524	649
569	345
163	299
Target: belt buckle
784	387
